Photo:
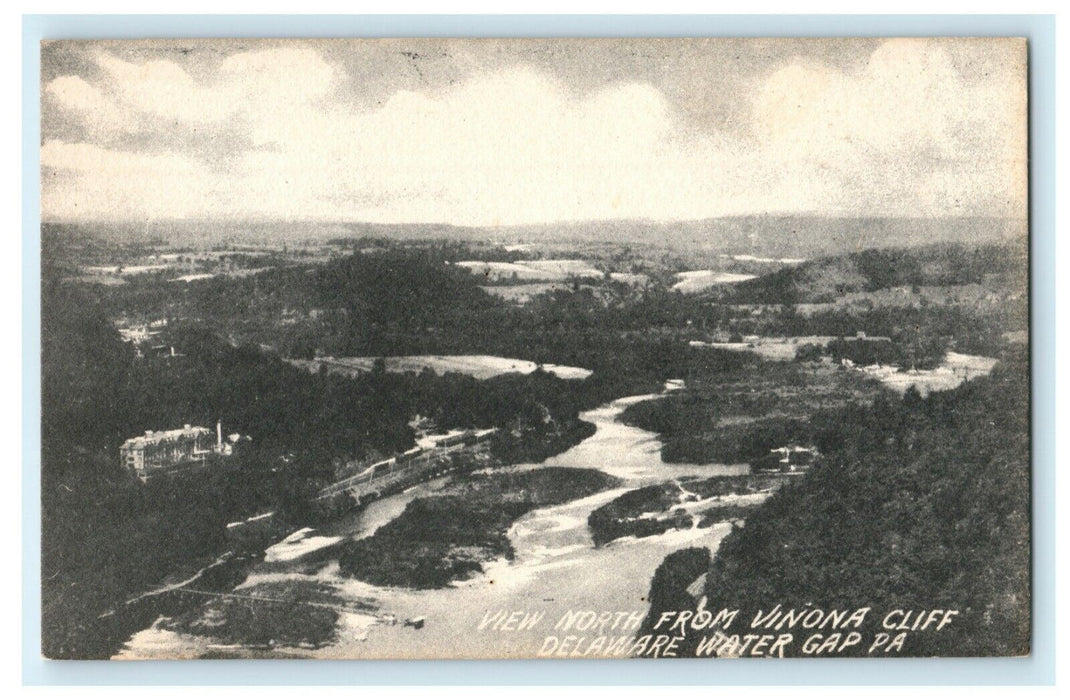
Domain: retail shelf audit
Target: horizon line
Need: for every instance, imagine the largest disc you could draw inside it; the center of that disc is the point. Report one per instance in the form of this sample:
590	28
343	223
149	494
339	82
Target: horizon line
559	222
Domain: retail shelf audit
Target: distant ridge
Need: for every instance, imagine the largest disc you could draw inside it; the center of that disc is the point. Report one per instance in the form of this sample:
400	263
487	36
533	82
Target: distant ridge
826	279
784	236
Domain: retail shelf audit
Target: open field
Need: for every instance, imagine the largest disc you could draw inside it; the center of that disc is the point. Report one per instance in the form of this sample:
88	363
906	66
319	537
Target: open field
531	270
776	261
478	366
780	349
956	369
973	295
634	278
496	271
523	293
700	280
576	268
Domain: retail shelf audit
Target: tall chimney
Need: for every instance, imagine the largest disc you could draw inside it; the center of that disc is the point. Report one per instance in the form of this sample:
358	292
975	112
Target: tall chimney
219	436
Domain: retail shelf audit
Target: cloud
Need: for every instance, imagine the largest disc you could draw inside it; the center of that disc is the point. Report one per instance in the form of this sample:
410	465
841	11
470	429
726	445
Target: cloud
163	90
906	133
86	181
97	110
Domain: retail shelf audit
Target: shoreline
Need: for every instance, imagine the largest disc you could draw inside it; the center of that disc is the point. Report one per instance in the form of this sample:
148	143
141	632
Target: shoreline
556	566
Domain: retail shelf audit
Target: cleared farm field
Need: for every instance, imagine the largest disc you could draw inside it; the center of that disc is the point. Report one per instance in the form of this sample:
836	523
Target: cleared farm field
575	268
531	270
956	369
496	271
194	277
637	279
975	295
523	293
123	269
701	280
478	366
777	349
777	261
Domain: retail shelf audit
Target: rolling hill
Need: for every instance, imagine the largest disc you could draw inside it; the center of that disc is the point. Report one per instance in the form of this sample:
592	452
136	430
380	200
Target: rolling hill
797	236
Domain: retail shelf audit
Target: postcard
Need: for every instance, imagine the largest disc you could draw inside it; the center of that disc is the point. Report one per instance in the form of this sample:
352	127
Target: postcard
535	348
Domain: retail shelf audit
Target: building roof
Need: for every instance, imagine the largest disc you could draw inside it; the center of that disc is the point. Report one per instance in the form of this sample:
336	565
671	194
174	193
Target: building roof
153	438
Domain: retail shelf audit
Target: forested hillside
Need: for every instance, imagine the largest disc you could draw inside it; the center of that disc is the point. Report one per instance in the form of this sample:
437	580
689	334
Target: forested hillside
923	504
825	279
106	536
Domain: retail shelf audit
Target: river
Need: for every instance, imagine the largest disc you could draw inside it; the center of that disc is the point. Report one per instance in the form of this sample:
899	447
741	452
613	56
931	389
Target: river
556	566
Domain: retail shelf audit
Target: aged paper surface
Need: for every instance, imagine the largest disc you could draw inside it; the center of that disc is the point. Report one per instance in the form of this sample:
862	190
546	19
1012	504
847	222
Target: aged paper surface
646	348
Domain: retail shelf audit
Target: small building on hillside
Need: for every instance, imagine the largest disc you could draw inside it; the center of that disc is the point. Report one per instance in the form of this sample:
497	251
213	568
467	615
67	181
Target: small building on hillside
790	459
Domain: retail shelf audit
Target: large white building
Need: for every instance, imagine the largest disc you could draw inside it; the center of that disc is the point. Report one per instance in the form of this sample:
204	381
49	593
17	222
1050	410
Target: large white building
157	451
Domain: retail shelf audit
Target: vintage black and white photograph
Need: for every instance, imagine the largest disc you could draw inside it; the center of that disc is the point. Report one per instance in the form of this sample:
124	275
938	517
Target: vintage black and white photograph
535	348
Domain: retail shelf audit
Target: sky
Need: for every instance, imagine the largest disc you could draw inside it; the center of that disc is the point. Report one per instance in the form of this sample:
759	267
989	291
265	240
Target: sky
509	132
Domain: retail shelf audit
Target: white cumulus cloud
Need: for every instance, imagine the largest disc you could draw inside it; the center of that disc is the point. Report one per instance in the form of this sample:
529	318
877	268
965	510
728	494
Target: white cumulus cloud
905	134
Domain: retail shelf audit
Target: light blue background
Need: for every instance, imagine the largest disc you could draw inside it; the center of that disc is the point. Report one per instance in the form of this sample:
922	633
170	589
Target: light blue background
1037	669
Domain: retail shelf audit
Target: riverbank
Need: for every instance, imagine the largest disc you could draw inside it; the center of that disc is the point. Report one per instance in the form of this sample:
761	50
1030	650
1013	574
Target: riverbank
182	593
739	416
679	504
555	566
912	480
269	614
450	536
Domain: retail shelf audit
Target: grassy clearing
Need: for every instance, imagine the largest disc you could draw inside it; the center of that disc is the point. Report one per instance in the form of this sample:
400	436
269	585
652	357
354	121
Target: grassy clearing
477	366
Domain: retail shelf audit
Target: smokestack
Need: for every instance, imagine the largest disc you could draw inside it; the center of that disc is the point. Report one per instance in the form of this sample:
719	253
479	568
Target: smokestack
219	436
